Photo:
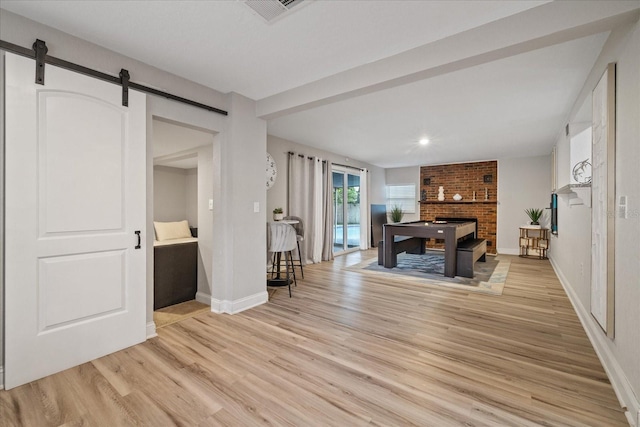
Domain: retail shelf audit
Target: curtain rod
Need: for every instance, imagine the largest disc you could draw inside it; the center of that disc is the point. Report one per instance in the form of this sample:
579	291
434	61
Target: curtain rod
349	167
291	153
33	54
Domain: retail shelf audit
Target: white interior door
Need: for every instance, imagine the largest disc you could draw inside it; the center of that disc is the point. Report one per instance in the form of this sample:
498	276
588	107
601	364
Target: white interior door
75	193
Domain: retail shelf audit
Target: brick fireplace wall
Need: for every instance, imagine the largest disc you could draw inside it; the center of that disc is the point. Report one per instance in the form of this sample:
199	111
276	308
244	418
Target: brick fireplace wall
463	179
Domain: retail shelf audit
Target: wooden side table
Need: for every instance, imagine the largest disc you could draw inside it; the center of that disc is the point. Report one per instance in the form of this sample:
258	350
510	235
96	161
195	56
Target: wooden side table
534	242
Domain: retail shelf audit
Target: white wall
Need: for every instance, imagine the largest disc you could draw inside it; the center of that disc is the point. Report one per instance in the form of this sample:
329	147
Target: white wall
169	202
191	195
203	217
2	221
408	175
243	153
175	194
571	251
23	32
523	183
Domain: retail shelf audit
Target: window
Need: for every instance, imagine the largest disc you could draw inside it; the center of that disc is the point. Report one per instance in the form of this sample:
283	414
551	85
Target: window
403	195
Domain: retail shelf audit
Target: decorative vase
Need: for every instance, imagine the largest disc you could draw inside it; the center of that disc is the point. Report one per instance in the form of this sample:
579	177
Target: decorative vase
441	193
278	216
457	197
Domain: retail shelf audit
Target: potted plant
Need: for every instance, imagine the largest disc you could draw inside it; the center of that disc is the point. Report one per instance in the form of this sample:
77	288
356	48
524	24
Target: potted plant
278	214
534	215
396	213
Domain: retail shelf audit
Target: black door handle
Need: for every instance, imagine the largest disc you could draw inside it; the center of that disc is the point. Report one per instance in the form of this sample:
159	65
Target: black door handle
138	234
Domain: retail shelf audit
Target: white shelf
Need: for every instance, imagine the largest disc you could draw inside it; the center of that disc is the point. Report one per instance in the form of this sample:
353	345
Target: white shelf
578	194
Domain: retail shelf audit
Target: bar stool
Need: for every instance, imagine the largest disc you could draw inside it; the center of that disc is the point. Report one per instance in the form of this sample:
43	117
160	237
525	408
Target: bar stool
299	226
282	240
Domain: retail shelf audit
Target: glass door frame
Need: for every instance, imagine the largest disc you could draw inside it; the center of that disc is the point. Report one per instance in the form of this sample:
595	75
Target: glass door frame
345	194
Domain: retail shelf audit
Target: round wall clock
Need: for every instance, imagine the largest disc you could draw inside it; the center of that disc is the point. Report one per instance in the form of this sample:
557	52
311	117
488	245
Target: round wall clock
272	171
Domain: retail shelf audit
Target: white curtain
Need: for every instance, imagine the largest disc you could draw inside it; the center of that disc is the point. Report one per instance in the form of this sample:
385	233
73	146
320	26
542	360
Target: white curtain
301	201
327	212
307	200
316	255
310	199
364	210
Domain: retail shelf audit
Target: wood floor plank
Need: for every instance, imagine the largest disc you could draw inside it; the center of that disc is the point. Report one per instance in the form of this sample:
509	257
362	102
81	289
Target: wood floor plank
348	350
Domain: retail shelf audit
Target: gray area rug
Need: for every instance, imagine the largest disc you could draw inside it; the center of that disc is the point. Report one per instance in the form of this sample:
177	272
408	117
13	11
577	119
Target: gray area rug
428	269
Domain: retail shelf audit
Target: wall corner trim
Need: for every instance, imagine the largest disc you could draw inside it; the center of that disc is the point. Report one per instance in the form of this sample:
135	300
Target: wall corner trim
619	380
236	306
1	377
151	330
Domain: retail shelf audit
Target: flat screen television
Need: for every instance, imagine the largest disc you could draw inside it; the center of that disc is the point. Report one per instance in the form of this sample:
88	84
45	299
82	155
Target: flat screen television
554	213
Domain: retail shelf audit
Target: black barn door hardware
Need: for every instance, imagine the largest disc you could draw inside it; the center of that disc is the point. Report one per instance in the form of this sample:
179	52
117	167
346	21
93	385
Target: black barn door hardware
124	81
139	241
41	50
39	53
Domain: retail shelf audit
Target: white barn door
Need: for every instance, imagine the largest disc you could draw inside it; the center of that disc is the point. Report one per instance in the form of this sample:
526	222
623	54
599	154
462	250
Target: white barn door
75	195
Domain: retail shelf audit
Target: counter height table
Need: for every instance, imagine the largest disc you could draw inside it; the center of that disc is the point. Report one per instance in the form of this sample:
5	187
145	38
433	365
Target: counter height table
450	232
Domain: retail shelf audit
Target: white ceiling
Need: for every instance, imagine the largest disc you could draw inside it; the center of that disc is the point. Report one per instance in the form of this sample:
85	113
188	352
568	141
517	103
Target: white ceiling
175	145
496	110
367	79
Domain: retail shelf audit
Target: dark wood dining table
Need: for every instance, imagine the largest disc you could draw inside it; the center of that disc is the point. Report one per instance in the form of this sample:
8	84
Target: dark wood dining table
450	232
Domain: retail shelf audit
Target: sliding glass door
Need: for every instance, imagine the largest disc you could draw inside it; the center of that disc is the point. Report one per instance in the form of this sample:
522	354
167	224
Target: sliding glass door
346	211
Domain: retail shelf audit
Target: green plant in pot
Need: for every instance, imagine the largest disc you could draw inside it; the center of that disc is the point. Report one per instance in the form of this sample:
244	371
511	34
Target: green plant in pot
278	214
396	213
534	215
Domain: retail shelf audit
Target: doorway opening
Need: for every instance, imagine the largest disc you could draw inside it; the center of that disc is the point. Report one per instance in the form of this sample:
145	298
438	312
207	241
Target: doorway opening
346	211
182	166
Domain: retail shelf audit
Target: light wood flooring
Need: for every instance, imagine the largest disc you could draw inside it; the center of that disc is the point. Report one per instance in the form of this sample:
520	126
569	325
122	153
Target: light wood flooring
347	350
178	312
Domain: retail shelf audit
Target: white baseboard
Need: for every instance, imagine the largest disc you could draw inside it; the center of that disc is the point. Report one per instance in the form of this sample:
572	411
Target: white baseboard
236	306
619	380
203	298
151	330
508	251
1	377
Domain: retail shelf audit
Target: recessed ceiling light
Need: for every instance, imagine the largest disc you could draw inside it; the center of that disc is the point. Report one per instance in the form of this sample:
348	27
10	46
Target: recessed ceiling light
424	141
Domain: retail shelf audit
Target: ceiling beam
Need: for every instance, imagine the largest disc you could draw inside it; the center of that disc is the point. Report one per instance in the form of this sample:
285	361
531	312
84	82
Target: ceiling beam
539	27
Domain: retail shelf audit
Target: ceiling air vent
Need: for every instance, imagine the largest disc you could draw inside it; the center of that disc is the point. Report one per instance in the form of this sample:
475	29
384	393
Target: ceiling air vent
271	9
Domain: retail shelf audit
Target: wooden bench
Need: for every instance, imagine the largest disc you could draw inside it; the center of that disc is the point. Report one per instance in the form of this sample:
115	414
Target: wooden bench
410	245
469	251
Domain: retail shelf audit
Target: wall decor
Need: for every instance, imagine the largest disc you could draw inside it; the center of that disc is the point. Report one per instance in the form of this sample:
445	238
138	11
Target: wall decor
603	201
581	172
